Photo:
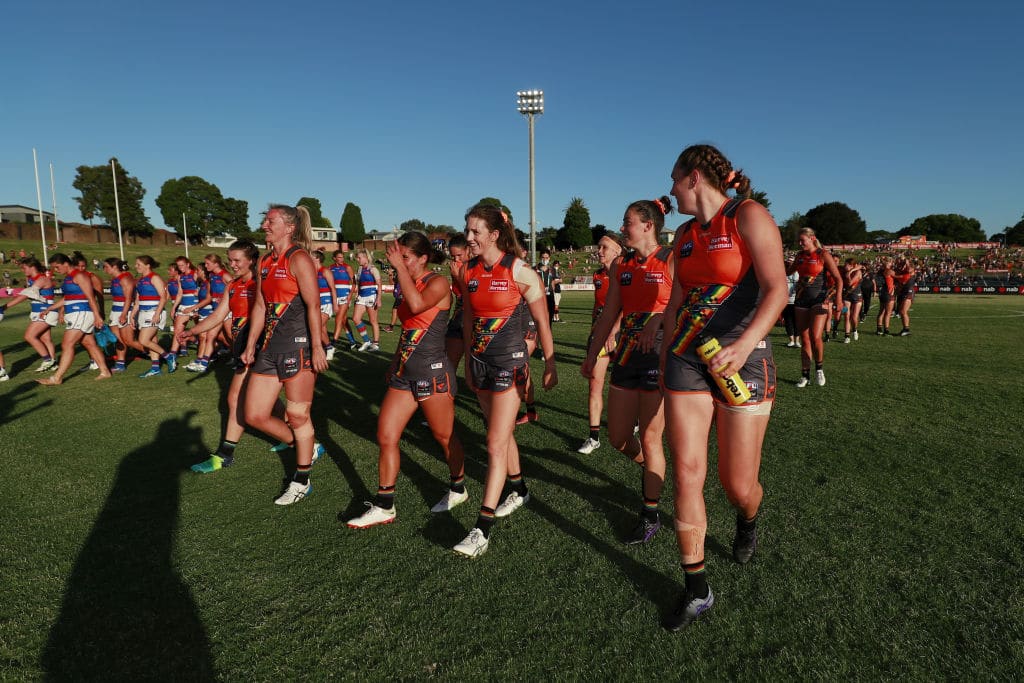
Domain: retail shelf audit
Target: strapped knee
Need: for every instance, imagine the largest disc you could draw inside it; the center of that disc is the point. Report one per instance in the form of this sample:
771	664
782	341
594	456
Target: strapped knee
303	431
691	538
297	415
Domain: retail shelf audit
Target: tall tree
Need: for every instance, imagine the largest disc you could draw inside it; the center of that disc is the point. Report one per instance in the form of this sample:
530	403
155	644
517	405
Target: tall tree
837	223
597	232
790	229
352	228
546	238
199	200
494	201
760	197
946	227
1014	234
316	216
97	197
413	224
880	236
576	225
236	216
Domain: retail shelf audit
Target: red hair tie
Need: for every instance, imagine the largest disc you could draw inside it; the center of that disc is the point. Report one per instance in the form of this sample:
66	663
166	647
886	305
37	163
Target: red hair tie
730	180
661	207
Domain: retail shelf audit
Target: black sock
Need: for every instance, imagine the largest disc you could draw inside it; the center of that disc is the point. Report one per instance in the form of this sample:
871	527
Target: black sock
517	483
385	497
818	366
595	432
807	373
302	474
696	579
746	525
485	521
227	450
531	409
458	484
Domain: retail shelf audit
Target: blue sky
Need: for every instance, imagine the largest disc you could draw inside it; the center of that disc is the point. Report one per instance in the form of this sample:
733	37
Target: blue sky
408	109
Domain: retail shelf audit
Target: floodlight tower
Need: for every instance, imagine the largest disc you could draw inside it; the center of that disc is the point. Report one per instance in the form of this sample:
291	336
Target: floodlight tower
531	103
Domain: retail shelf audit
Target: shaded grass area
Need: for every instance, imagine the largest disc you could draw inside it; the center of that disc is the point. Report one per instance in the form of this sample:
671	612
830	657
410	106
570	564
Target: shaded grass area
890	539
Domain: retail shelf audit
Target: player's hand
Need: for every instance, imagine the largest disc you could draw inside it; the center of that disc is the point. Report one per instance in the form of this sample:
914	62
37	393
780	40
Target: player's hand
649	336
587	369
550	374
319	359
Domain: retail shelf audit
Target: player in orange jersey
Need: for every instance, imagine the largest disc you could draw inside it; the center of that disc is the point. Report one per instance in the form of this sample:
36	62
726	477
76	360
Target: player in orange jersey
640	285
731	285
608	249
234	308
420	376
812	263
494	282
285	326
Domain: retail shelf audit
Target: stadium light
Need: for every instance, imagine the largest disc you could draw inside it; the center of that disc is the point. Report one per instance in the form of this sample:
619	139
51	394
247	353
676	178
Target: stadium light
531	103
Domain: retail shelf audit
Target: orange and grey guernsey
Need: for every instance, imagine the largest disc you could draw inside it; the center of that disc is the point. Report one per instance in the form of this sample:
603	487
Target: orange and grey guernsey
422	342
286	327
497	318
601	283
241	295
906	278
890	282
715	271
811	269
645	285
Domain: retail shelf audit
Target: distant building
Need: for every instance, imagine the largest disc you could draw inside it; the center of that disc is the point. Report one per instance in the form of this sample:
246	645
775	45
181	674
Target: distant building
221	241
16	213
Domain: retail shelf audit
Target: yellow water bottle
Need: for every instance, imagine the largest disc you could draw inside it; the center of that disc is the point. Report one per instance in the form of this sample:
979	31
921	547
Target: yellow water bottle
733	387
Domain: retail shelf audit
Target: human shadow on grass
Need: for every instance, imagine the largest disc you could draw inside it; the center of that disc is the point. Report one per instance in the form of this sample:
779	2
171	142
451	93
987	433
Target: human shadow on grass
615	492
655	586
616	501
353	410
25	364
441	529
126	613
10	400
429	485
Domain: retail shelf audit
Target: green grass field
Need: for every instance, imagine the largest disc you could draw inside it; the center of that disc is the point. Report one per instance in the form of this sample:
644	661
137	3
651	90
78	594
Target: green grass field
890	535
